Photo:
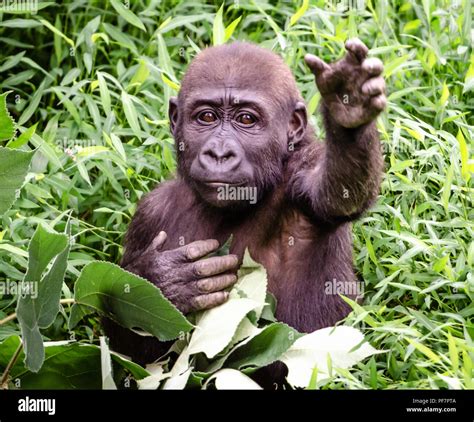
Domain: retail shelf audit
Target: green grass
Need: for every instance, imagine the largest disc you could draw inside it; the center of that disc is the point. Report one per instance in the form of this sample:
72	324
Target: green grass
97	80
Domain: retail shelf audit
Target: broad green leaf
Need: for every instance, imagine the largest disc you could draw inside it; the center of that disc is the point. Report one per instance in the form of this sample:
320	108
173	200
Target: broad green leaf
265	348
67	365
129	300
127	14
252	285
313	351
38	306
14	165
217	326
153	381
7	124
179	374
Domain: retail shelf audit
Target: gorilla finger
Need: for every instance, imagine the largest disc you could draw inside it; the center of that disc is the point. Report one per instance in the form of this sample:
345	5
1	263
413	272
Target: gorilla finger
158	241
374	86
379	102
215	284
211	300
316	65
357	49
216	265
373	66
198	249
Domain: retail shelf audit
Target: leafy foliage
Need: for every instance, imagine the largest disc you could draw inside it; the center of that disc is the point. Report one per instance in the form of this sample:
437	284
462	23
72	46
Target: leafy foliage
89	85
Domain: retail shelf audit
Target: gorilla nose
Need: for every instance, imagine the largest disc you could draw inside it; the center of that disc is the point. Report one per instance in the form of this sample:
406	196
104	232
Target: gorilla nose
219	159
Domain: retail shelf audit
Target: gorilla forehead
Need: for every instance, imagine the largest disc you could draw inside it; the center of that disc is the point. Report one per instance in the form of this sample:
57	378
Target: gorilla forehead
240	67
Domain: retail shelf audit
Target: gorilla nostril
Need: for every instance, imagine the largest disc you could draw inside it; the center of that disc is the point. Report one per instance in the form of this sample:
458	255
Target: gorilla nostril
219	157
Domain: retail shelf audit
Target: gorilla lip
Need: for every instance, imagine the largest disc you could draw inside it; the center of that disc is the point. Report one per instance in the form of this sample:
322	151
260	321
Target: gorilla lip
221	184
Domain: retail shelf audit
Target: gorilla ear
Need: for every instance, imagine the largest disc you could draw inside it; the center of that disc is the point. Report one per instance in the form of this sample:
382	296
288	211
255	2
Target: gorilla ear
173	113
298	122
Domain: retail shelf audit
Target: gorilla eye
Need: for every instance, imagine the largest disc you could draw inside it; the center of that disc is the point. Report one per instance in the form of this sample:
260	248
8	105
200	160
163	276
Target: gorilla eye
207	117
246	119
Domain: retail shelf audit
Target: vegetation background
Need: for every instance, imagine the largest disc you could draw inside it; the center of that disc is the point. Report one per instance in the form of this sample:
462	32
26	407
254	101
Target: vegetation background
89	85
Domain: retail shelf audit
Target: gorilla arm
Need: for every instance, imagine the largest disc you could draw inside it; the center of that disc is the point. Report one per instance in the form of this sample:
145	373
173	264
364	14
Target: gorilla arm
339	180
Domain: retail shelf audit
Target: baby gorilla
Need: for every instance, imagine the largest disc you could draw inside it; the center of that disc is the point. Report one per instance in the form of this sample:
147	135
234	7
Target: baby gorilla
249	165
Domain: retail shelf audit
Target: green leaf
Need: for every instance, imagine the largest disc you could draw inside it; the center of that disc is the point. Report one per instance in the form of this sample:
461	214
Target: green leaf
265	348
141	74
106	366
444	95
14	165
67	365
463	150
56	31
432	356
7	124
412	26
224	249
253	284
129	300
169	82
38	306
217	326
231	28
32	105
104	93
299	13
332	347
218	30
447	187
127	14
131	114
23	138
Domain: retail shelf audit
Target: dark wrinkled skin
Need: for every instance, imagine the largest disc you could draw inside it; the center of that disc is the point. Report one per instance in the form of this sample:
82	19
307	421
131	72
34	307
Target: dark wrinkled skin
257	136
190	282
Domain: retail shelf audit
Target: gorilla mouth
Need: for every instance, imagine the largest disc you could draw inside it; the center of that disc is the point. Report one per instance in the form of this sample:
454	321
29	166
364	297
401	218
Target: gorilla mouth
219	183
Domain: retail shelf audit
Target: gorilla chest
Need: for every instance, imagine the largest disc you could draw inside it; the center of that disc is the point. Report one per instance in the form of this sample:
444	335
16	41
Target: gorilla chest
284	248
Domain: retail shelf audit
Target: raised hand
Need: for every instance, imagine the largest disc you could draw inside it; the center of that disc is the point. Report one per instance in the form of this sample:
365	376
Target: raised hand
352	88
188	281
